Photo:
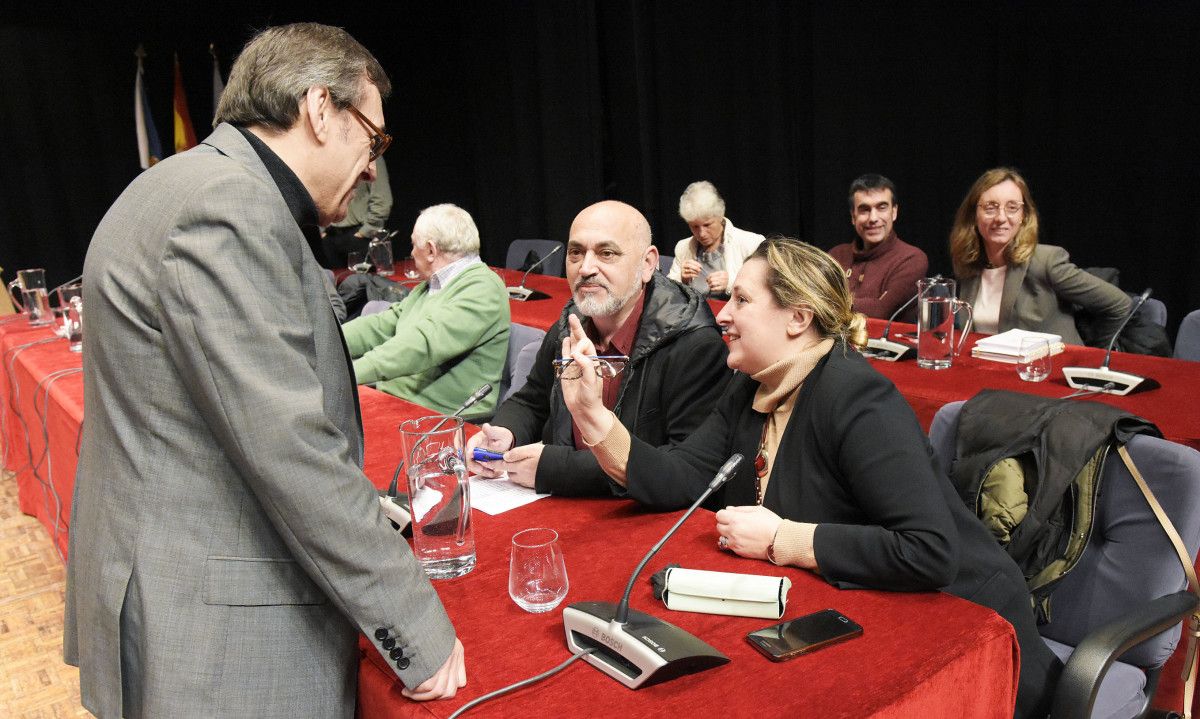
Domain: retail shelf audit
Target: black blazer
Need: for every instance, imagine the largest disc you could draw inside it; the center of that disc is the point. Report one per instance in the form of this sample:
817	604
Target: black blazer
854	461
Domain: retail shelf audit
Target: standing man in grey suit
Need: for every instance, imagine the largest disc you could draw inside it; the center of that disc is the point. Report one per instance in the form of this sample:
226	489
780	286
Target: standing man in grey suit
226	547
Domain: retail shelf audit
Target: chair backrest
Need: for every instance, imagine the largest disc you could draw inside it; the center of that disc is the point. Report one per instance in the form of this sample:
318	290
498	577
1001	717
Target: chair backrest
664	263
516	362
533	250
1129	560
1187	342
1155	311
374	307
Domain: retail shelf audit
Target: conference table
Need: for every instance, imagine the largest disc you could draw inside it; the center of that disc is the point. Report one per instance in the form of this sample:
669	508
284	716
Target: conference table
42	394
922	654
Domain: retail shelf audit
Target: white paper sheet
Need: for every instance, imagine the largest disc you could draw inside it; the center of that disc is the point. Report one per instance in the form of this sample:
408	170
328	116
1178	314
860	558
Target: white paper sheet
495	496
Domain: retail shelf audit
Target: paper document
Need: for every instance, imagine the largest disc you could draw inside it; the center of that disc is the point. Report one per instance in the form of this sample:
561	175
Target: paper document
495	496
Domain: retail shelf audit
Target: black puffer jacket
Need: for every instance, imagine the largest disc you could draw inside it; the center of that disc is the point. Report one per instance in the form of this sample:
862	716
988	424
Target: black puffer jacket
676	372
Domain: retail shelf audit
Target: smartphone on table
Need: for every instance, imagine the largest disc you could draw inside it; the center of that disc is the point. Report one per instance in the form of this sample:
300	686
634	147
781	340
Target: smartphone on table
802	635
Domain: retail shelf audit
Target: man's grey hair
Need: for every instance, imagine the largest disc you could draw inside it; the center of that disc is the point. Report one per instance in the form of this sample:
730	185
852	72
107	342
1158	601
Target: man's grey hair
869	183
700	201
449	227
279	65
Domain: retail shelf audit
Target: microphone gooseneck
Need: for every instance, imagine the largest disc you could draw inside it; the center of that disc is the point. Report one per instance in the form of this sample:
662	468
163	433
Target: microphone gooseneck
723	474
539	262
1141	300
888	327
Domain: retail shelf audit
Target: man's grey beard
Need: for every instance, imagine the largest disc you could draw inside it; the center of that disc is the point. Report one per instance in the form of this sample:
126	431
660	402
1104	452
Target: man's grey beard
593	307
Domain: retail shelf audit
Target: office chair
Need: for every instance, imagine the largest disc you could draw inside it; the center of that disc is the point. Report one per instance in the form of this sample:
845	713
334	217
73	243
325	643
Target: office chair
1187	342
523	253
664	263
1155	311
1116	614
518	361
374	307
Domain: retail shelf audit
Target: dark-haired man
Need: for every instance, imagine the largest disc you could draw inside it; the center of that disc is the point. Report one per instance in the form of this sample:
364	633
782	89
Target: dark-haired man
881	269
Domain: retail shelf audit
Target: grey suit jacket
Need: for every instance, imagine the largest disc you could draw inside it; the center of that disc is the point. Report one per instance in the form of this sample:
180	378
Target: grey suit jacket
1038	296
226	547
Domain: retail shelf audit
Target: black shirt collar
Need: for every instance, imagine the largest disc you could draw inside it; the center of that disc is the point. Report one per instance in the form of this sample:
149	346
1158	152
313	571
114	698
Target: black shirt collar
295	194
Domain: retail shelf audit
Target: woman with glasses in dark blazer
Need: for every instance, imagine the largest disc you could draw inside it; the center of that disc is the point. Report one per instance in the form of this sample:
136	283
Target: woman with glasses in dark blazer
1011	280
842	481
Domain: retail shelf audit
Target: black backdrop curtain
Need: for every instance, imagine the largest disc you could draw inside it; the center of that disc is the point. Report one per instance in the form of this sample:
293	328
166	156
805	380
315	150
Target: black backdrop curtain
523	112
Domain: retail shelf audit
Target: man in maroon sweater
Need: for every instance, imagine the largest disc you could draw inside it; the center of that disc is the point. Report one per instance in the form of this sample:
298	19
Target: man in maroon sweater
882	269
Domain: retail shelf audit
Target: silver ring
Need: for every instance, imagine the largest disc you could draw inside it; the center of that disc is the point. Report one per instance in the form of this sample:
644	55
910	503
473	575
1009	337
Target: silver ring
723	543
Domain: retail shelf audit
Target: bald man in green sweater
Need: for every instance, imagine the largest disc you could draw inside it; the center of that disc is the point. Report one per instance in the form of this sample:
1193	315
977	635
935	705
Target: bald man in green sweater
450	334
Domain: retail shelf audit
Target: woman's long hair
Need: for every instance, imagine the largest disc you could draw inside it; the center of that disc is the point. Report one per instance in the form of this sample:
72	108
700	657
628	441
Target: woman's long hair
966	245
802	276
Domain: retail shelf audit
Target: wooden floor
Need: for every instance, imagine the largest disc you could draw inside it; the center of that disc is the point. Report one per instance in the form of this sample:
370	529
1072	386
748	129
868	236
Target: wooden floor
34	681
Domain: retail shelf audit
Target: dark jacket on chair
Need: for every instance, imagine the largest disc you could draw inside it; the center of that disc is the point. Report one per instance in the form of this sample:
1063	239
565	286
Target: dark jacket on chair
676	371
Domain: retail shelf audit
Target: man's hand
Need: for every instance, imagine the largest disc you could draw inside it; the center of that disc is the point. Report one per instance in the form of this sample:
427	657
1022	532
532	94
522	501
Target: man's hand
451	677
496	439
690	270
522	464
583	395
748	530
718	282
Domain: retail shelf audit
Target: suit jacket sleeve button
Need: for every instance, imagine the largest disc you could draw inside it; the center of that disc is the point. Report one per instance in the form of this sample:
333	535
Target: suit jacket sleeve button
402	663
381	634
396	653
388	643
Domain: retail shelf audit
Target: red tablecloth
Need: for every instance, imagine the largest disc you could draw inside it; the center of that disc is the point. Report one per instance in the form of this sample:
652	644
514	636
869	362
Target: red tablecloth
917	654
1172	407
42	392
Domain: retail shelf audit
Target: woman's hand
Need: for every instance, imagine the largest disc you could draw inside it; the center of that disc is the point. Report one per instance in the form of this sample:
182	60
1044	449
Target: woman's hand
583	395
748	531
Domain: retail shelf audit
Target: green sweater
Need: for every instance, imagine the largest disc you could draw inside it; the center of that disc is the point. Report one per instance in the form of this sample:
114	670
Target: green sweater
435	350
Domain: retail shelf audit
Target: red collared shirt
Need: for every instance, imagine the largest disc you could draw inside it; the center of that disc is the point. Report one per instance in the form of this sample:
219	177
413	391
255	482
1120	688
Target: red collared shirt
620	344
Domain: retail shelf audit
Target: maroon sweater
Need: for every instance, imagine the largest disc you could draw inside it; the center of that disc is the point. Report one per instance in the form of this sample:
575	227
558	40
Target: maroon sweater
882	277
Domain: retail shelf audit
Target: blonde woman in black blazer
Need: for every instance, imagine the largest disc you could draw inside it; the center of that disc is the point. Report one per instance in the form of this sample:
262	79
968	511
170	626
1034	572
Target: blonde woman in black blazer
995	240
842	483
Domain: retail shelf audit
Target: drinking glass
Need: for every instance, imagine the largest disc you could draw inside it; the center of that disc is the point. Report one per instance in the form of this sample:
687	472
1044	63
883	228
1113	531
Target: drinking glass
357	261
537	572
1033	360
73	323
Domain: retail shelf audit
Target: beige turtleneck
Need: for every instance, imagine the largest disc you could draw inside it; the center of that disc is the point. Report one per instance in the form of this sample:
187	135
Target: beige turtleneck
776	398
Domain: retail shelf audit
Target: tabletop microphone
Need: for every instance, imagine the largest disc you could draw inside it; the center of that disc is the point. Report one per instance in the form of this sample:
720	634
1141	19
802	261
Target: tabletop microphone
395	505
1102	379
885	349
635	648
521	293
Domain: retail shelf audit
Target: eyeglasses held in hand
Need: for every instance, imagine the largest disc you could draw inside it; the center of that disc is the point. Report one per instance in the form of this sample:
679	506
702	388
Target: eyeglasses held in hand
379	139
1011	209
607	366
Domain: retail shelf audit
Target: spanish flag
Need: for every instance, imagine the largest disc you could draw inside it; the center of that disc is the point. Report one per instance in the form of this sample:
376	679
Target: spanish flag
185	136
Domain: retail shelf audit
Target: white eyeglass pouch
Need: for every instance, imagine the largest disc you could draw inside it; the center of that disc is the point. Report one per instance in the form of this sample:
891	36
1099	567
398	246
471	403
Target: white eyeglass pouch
737	595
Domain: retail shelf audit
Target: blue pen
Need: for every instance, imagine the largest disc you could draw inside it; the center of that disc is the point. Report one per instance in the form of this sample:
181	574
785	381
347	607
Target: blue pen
483	455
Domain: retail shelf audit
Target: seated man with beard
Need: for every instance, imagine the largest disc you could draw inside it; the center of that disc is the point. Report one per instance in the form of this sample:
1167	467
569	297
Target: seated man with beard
674	373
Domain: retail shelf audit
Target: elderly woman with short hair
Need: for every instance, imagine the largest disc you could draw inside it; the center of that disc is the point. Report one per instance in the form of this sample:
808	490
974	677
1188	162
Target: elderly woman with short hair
709	260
